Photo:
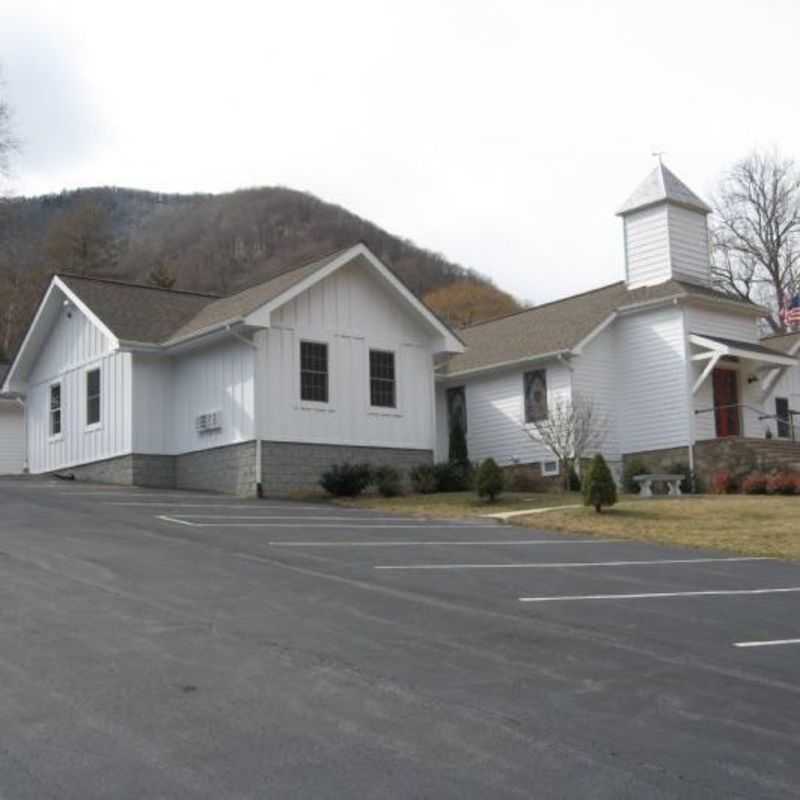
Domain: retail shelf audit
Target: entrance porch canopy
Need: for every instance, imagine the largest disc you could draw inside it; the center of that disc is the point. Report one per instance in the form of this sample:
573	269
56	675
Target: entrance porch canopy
715	347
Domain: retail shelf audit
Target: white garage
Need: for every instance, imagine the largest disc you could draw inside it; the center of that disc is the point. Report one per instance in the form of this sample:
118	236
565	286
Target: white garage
12	433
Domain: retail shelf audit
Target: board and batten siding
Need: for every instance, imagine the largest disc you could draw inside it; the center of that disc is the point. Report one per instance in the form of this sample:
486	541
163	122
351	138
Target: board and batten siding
688	245
12	437
647	256
496	415
352	311
73	346
594	378
653	382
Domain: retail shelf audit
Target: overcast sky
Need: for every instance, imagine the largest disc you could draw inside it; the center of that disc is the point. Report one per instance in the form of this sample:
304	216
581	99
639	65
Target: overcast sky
501	134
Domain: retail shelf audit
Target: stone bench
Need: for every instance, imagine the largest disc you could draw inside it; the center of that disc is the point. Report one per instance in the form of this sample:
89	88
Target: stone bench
646	483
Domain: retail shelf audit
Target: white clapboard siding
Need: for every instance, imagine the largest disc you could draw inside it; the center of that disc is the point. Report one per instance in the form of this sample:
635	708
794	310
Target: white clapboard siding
647	246
12	437
654	403
496	414
78	444
722	323
352	311
595	379
216	378
688	245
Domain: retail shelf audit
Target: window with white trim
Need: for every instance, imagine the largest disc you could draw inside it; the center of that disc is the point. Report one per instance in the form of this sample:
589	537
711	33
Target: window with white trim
93	397
314	372
55	409
550	468
382	386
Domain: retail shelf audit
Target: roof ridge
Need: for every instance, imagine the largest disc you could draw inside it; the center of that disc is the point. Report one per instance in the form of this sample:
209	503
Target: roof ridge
543	305
134	284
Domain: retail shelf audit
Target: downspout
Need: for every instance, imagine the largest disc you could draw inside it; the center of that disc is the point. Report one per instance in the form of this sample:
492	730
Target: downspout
687	354
256	406
25	467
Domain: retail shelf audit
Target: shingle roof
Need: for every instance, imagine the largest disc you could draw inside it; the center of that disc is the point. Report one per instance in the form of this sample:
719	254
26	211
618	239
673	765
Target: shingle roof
662	184
561	325
152	315
740	345
784	342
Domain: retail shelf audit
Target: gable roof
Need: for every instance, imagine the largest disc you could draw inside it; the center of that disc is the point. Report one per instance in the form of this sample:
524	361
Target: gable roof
560	327
660	185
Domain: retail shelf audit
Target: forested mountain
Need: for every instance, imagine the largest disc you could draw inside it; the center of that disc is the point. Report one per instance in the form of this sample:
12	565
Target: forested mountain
210	243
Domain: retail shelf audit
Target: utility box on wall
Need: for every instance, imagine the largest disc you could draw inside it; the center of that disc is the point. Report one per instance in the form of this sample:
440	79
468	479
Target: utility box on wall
210	421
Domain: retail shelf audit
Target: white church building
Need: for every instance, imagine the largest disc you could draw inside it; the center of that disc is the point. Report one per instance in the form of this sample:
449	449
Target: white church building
334	361
676	370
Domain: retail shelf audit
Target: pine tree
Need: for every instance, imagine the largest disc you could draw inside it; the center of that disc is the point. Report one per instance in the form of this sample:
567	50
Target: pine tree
490	480
599	488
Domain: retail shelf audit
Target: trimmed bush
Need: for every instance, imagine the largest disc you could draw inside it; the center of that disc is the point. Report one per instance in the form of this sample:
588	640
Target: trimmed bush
346	480
387	481
451	476
490	480
723	482
423	479
458	446
636	466
599	488
783	483
755	483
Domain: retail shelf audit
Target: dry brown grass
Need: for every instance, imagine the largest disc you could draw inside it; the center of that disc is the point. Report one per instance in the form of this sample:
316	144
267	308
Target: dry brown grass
754	525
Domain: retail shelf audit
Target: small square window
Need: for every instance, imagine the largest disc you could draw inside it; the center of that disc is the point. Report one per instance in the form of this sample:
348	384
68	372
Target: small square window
93	397
314	372
382	379
55	409
550	468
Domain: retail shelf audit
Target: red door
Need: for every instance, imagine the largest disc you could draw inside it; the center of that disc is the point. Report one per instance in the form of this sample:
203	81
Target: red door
726	402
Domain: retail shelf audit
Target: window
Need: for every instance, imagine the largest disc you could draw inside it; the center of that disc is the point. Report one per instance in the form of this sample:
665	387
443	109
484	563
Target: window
55	409
550	468
783	417
93	397
535	384
382	379
457	407
314	372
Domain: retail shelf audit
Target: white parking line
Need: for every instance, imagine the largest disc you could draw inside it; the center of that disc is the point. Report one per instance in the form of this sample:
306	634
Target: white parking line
573	564
165	518
268	517
772	643
442	543
716	592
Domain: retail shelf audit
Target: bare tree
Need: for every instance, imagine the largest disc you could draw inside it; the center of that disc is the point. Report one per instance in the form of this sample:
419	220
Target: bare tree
7	141
572	429
755	231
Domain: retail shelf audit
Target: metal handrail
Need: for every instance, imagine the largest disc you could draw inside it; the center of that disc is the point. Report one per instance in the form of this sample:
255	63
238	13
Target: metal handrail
762	415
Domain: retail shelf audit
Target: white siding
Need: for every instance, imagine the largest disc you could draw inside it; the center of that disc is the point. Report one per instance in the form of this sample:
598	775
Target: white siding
688	245
595	378
216	378
788	386
496	414
647	246
654	403
74	345
12	437
352	311
153	400
722	323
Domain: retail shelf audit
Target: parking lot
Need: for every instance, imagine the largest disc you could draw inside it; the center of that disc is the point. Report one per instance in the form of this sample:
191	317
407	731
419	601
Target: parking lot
175	644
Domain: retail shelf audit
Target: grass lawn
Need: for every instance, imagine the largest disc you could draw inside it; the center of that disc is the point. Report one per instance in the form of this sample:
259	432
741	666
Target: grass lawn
461	504
751	525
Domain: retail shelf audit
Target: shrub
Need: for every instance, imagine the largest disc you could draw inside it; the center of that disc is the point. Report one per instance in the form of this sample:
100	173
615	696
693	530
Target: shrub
679	468
723	482
636	466
458	446
346	480
783	483
451	476
755	483
599	488
523	478
489	480
423	479
387	481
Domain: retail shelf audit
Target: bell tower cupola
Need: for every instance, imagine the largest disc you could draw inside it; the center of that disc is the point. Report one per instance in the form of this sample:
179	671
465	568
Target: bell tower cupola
666	232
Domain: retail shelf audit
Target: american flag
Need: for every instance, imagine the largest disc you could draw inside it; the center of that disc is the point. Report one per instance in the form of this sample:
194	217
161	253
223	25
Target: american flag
790	312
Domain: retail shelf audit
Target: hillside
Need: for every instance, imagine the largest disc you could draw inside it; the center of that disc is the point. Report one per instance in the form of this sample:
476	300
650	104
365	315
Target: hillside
212	243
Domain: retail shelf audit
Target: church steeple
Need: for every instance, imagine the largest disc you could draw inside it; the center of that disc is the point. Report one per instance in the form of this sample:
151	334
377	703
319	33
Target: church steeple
666	232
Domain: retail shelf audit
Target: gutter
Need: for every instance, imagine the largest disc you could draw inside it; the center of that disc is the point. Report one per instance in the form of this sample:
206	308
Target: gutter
555	354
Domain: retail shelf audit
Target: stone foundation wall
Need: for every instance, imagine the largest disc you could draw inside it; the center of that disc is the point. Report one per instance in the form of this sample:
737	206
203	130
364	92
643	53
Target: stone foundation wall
118	470
230	469
288	467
